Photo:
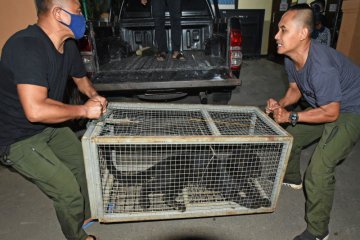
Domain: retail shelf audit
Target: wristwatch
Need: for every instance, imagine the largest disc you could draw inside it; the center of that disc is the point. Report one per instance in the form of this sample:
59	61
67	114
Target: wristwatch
294	117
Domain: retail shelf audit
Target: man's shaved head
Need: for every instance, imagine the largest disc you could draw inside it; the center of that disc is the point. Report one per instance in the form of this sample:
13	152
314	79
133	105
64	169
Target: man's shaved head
304	16
43	6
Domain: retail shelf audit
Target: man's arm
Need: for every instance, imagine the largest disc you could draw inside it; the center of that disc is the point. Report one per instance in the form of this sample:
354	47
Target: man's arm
323	114
292	96
39	108
327	113
86	87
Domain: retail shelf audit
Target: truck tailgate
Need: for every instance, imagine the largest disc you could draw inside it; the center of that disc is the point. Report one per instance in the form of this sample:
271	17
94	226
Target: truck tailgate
145	72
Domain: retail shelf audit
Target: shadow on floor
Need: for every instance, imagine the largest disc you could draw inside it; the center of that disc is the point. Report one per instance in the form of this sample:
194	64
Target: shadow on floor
191	237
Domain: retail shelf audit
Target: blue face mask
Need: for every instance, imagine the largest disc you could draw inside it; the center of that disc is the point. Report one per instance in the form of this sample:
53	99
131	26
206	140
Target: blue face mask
77	24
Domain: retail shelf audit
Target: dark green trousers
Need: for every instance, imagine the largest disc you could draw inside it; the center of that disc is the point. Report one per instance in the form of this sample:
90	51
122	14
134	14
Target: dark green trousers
336	142
53	160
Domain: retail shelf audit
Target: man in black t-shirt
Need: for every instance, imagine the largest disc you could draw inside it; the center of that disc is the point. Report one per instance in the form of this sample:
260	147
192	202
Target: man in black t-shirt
35	66
330	83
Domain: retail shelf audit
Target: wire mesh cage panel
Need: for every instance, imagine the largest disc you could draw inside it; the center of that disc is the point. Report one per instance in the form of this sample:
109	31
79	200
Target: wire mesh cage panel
162	161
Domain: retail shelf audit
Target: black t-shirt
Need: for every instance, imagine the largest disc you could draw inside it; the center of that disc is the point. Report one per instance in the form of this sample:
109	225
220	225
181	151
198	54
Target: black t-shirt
29	57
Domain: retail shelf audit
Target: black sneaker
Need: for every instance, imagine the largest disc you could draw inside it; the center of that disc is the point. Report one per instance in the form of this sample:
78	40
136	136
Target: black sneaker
293	184
306	235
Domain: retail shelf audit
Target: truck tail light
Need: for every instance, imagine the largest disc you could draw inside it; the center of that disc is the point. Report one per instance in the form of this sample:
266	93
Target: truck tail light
87	53
235	49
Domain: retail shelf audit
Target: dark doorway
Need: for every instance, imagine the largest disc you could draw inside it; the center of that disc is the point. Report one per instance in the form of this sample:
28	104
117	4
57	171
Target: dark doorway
333	15
278	9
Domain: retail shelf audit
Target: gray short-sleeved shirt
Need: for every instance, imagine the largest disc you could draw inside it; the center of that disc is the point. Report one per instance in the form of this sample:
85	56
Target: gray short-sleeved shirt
327	76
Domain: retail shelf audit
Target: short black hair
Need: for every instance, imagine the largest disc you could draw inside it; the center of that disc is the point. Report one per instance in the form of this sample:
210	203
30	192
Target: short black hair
43	6
320	18
306	15
300	6
318	6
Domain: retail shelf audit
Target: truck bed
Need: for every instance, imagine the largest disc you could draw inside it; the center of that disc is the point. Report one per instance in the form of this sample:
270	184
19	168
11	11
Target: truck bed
144	72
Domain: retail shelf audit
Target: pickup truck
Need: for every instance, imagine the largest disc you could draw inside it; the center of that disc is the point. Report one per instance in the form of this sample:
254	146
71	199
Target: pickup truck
118	52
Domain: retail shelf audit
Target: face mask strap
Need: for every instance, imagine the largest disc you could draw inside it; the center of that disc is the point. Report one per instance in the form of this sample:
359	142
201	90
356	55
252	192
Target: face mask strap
74	17
70	17
66	11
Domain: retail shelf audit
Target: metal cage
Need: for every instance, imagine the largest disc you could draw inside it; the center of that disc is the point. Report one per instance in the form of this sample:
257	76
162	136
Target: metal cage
164	161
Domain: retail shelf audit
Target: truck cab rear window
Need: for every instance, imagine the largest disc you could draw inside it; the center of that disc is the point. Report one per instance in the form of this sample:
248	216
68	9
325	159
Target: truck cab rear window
134	9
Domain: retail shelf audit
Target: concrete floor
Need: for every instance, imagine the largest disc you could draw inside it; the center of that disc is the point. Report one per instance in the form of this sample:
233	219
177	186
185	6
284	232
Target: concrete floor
27	214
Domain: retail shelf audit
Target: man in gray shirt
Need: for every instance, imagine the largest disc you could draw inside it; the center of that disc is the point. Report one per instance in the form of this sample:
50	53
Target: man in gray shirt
330	83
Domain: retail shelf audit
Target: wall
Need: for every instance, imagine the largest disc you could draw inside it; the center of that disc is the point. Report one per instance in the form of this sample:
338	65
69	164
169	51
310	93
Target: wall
260	4
14	16
349	35
10	22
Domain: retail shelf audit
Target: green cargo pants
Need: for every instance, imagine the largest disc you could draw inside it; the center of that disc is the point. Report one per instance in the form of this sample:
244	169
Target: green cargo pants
336	142
53	160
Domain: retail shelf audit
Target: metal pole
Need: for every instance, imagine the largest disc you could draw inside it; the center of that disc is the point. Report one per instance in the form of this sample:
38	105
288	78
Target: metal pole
336	24
85	9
